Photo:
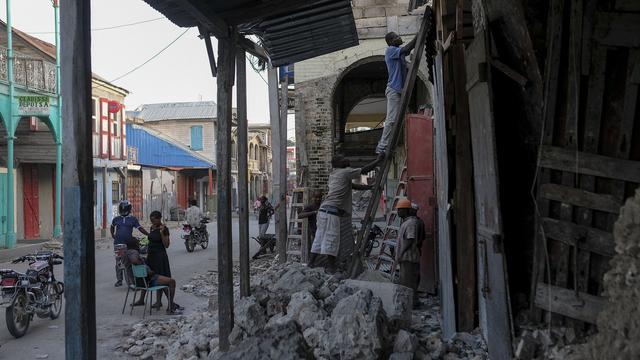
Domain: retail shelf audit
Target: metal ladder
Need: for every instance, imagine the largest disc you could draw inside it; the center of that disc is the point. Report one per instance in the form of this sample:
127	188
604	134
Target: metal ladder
386	261
296	229
357	265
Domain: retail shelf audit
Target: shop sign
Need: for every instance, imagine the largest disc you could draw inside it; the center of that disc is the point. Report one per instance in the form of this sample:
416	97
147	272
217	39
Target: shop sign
33	105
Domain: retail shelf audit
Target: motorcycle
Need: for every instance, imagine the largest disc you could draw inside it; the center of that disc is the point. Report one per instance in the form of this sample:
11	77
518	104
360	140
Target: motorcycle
35	292
197	236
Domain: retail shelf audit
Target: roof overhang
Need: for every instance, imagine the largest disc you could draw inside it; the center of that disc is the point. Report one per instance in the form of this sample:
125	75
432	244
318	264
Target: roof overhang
289	30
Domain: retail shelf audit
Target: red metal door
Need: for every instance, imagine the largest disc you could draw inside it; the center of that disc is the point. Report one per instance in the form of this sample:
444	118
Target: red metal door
31	203
420	189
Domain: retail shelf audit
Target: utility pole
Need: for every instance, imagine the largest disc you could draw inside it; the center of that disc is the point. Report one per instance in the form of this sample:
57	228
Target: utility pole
11	234
79	242
57	229
243	181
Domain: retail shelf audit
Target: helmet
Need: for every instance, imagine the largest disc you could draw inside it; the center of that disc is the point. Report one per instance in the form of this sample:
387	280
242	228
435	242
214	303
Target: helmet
403	203
124	208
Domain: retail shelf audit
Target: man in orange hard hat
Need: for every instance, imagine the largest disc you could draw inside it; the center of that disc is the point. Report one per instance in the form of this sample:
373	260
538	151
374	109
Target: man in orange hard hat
410	236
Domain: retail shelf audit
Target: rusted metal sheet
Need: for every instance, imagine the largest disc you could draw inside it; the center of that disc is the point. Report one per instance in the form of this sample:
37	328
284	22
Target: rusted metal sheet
494	306
420	189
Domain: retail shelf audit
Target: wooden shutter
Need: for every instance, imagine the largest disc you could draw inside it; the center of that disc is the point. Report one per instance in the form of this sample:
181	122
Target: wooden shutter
196	138
104	128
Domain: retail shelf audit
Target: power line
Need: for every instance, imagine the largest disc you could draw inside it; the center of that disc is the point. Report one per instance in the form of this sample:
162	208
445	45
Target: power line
151	58
105	28
256	70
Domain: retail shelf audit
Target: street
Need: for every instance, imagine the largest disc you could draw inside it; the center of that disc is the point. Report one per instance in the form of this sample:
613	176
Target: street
45	338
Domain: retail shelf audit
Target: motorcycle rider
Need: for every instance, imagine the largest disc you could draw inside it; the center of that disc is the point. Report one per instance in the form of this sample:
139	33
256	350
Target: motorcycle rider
193	215
122	231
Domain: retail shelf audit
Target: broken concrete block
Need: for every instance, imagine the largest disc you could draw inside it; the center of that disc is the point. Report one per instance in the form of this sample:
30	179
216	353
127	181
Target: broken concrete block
304	309
526	348
397	300
401	356
249	315
405	342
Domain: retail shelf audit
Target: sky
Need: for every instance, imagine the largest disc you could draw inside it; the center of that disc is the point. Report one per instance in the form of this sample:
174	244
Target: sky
180	73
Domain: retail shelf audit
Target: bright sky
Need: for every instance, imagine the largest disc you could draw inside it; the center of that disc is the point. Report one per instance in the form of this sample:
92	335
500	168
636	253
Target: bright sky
180	73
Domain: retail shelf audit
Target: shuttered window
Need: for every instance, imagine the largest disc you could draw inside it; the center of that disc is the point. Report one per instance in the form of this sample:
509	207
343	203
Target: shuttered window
196	138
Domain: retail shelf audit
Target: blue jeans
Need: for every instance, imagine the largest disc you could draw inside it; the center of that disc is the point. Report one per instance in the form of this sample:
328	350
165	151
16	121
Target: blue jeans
393	108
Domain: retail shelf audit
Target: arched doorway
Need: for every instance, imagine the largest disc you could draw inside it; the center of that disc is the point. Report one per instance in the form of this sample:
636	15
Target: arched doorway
359	107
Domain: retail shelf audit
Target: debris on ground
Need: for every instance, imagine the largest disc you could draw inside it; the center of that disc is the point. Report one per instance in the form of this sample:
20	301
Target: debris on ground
296	312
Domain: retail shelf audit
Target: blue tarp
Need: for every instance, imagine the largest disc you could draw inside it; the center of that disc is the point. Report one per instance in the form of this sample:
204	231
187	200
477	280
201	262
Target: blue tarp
156	150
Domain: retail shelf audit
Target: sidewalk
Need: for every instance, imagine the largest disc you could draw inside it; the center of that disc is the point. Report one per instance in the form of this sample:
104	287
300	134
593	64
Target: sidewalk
23	247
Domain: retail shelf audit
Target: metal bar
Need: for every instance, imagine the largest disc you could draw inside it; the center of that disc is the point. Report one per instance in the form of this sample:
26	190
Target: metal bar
79	249
226	58
243	182
57	228
11	235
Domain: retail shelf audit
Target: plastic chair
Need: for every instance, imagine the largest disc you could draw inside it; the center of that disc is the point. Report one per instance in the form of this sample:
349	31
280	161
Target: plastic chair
140	272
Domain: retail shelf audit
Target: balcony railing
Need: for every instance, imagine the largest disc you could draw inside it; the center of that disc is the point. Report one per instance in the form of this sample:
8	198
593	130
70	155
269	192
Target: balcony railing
28	72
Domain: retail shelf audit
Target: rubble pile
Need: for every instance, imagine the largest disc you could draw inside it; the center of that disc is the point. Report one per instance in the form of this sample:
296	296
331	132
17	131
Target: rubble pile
539	342
296	312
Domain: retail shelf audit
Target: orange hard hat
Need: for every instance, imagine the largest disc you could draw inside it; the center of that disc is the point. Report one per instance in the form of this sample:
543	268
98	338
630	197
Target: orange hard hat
403	203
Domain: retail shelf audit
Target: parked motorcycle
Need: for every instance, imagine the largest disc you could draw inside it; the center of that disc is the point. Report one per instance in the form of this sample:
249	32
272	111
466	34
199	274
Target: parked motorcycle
197	236
36	292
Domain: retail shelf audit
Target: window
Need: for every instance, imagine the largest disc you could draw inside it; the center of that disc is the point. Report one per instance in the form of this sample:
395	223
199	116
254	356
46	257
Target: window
196	138
115	192
95	117
115	118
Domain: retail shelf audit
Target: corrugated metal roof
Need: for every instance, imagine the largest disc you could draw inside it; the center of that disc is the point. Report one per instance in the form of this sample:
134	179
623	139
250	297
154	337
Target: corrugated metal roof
290	31
157	150
176	111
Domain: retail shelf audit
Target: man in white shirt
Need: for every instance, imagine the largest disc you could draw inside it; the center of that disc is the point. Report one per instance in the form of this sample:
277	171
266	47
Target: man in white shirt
193	214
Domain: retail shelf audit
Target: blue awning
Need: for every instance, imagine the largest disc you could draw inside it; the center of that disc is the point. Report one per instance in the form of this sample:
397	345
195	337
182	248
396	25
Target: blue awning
156	150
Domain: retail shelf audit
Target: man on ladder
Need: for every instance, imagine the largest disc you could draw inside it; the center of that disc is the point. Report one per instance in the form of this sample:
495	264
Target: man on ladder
334	234
397	68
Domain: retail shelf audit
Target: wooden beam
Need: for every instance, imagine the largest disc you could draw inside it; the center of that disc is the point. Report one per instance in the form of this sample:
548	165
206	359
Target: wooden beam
586	238
79	234
212	22
563	301
253	49
617	29
577	197
243	172
204	33
558	158
512	74
281	146
226	71
274	113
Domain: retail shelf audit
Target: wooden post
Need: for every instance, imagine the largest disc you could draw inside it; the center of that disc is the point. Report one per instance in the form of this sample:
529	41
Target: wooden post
79	249
274	113
243	182
226	59
281	213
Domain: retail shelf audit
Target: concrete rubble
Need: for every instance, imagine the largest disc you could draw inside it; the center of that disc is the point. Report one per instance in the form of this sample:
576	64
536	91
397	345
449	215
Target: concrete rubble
296	312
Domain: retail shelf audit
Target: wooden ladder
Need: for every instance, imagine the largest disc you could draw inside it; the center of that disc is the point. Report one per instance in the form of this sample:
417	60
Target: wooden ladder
381	175
296	232
386	260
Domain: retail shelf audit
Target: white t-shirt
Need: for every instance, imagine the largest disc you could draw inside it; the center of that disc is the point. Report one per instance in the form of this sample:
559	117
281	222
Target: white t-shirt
340	188
193	215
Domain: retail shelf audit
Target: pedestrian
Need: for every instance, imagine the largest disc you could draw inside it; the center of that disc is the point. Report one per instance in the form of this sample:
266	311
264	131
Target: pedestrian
264	216
394	57
122	232
153	279
157	258
409	243
334	234
310	212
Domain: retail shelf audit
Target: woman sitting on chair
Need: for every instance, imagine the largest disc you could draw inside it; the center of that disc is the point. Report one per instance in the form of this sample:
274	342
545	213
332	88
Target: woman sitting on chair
153	279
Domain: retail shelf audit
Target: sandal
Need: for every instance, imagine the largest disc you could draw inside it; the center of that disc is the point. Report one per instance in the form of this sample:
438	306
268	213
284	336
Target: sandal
156	305
173	312
138	303
177	306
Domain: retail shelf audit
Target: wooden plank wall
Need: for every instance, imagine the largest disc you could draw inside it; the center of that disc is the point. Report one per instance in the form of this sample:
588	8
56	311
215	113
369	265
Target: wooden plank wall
455	29
590	156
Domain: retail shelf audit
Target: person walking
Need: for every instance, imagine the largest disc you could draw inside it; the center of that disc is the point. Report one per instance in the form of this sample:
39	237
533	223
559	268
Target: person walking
157	258
264	216
394	57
